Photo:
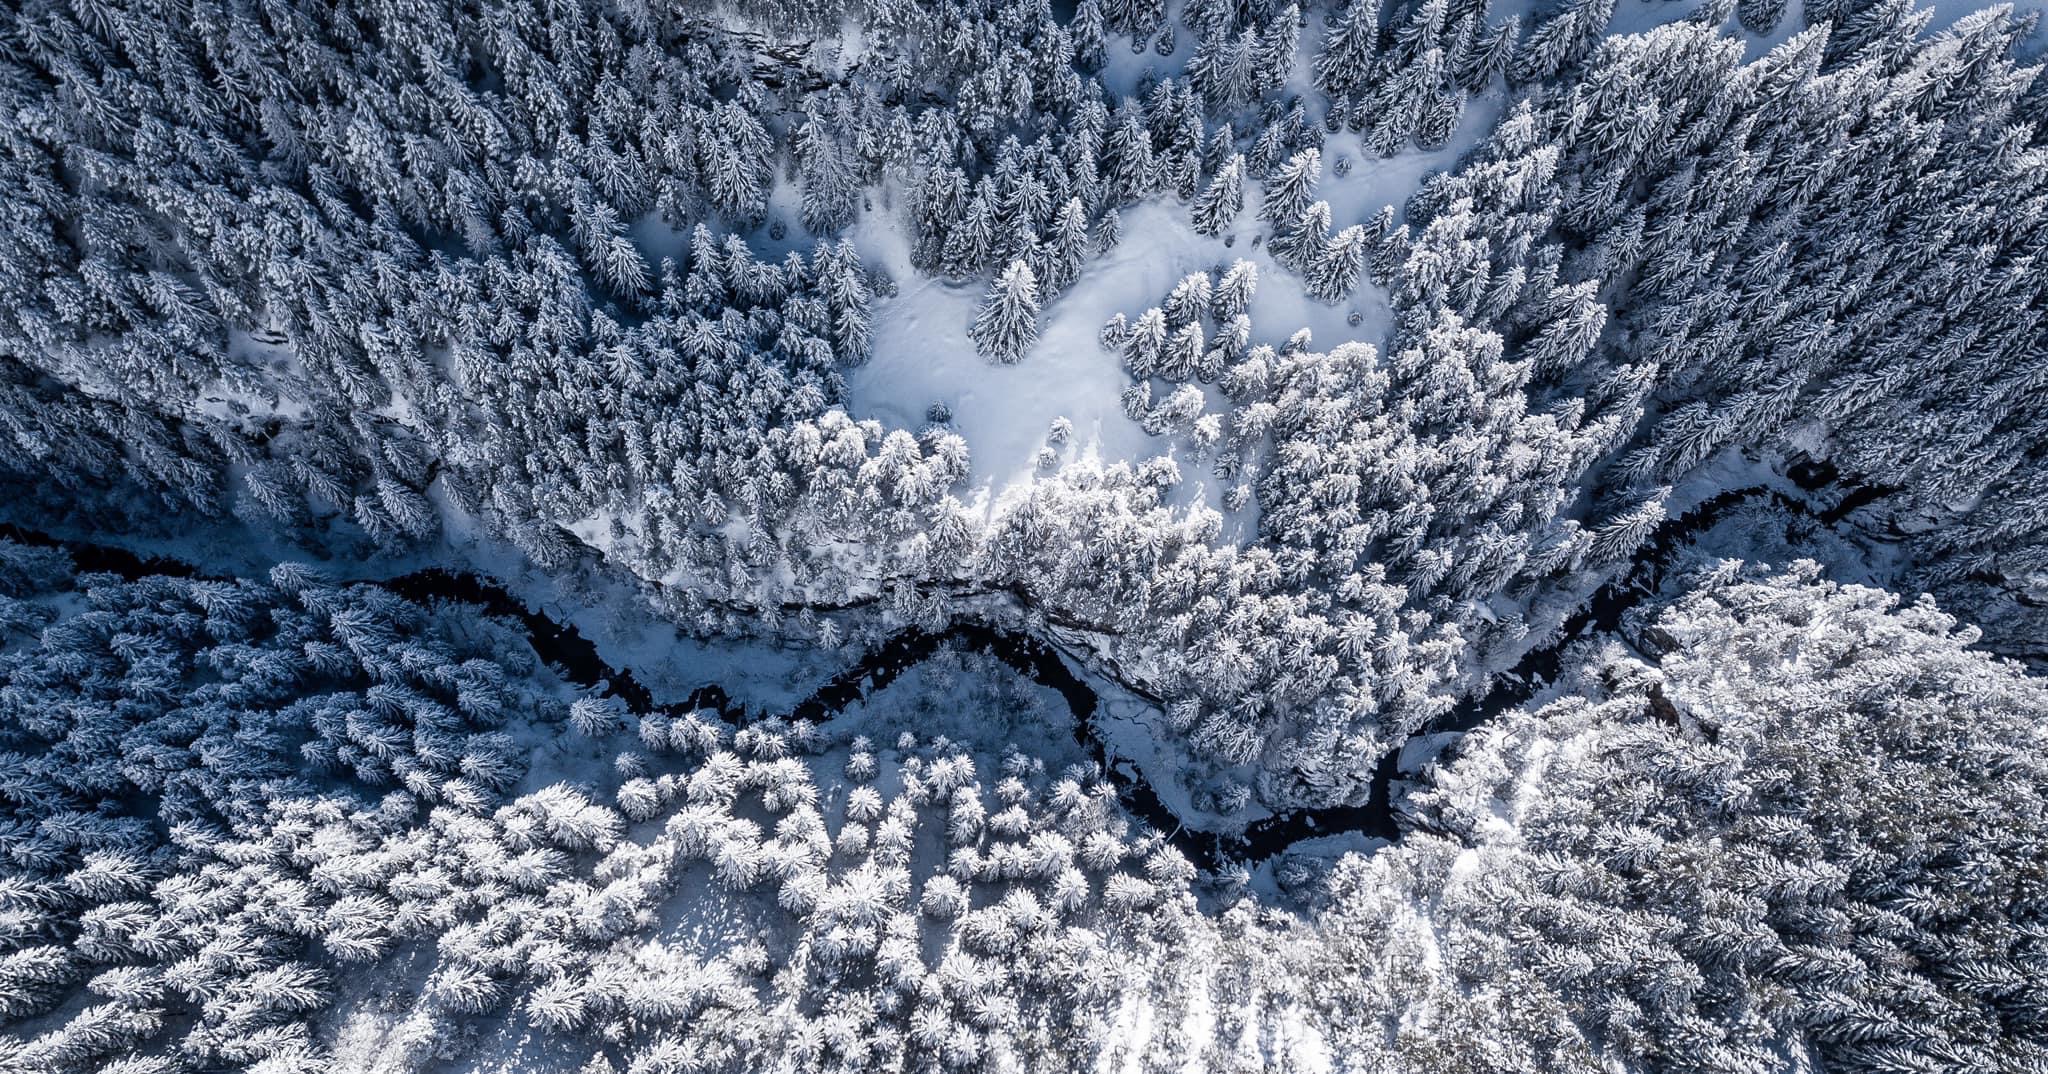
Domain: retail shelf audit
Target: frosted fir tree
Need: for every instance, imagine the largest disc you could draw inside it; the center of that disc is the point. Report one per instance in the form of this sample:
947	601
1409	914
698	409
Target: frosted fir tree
1008	322
1289	193
1183	353
1232	296
704	287
1113	332
1488	55
1232	339
1626	531
1217	207
1301	244
1349	49
1227	69
1563	40
1059	259
1108	231
1273	52
938	201
1137	18
1760	17
831	191
1208	18
1188	300
1087	30
1421	31
1332	274
1569	336
410	511
1437	121
1128	168
971	244
1145	344
847	294
739	153
1391	254
1180	172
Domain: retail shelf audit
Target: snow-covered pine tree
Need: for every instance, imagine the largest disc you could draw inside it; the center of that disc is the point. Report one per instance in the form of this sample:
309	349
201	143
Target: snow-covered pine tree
1289	193
1232	296
1349	49
1332	272
1008	322
1129	172
1217	208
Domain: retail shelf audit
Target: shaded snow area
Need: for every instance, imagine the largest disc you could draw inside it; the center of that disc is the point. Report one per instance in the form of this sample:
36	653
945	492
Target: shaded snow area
973	699
1140	742
265	383
610	610
1368	182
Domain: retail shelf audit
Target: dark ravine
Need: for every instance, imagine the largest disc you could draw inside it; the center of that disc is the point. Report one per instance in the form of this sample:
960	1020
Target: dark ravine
1536	669
577	658
98	558
560	644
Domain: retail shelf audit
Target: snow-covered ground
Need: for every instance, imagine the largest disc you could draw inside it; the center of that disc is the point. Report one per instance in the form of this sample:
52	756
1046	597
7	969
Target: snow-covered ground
922	353
265	391
1372	181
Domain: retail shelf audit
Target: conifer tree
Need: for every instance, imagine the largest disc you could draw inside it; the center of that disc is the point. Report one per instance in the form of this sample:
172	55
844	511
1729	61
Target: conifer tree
1332	273
1232	296
1289	193
1760	17
1222	200
1008	322
1062	255
1128	168
1143	18
1489	54
1349	50
1303	243
1108	231
1189	300
1146	344
1562	40
972	243
1088	32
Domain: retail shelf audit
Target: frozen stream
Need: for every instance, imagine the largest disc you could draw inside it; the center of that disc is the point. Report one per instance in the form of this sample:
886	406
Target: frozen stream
562	645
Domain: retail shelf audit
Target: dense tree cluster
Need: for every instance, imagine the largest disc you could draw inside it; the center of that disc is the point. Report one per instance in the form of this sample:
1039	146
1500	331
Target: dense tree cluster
223	798
1768	844
1763	842
1766	238
447	298
205	785
1585	314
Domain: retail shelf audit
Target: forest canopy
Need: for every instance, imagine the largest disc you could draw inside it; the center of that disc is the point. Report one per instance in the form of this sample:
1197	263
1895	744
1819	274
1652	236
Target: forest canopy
1388	535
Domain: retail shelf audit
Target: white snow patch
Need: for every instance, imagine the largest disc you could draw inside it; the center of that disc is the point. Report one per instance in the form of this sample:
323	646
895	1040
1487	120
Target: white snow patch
923	355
